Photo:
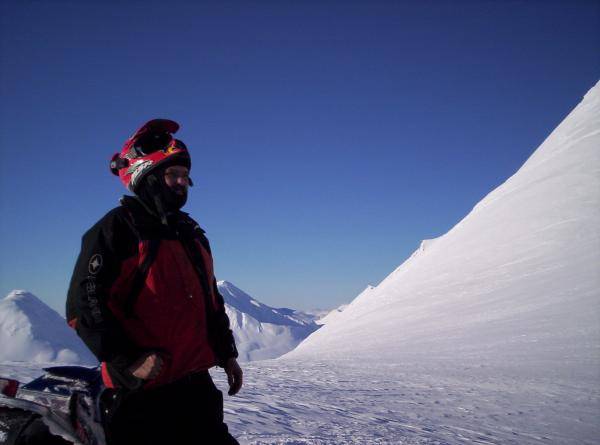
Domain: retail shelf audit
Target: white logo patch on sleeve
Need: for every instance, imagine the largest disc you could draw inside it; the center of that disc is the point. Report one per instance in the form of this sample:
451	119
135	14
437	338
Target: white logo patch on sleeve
95	264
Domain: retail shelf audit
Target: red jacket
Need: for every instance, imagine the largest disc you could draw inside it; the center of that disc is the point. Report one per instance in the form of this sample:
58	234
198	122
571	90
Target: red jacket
174	309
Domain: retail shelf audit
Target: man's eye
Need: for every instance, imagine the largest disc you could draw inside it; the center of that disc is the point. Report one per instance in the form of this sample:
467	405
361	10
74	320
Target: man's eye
175	176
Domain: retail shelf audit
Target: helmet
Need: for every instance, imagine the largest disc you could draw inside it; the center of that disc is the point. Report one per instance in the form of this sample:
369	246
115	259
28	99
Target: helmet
151	146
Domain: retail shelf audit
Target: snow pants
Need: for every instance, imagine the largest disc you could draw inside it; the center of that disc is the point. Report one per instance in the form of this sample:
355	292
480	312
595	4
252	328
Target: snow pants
189	411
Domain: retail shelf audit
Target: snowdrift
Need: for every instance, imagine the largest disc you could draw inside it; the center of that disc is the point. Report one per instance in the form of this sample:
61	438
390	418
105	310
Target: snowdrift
30	331
516	282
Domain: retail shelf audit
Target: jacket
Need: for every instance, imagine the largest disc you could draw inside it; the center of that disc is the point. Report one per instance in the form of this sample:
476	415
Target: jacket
141	286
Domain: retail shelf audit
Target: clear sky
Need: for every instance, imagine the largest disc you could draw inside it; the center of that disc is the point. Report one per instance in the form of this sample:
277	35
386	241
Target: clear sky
328	138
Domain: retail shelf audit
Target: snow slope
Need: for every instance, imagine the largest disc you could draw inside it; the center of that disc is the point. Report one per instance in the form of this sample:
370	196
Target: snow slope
489	334
262	332
516	282
32	332
332	315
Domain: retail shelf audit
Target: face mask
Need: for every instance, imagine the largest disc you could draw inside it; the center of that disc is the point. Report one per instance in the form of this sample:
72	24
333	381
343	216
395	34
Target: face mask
174	197
159	196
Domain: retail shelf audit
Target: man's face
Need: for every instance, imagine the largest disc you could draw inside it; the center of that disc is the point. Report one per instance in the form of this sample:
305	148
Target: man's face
177	179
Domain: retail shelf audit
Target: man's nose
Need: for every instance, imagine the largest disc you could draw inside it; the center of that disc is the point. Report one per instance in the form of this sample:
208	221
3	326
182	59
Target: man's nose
182	181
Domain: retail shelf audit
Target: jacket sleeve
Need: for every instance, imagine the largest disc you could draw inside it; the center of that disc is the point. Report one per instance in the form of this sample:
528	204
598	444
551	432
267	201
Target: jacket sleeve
224	340
95	271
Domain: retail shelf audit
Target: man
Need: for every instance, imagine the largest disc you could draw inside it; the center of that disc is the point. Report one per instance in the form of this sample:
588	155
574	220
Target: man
143	297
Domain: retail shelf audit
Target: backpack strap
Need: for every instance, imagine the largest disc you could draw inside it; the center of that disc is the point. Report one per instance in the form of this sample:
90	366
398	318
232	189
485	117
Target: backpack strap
141	272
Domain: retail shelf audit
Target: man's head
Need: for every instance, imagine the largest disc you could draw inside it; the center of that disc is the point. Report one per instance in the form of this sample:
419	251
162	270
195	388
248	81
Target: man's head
154	165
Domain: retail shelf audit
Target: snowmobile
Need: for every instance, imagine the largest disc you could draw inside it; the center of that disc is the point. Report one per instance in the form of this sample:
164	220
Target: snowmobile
66	405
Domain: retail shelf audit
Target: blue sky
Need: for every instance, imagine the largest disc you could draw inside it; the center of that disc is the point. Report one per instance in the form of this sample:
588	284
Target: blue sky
328	138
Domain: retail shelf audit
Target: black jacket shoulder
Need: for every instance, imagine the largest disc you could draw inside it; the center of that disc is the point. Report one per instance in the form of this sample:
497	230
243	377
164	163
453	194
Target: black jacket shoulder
115	232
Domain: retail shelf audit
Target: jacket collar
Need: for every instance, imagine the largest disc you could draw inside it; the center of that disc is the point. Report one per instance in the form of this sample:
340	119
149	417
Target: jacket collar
145	213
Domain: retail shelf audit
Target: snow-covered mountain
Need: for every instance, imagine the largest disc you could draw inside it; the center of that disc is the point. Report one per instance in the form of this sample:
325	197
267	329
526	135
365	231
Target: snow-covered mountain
515	283
30	331
307	316
262	332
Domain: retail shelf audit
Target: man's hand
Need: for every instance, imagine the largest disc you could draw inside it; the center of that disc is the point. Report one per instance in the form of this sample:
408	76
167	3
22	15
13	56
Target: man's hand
234	376
147	367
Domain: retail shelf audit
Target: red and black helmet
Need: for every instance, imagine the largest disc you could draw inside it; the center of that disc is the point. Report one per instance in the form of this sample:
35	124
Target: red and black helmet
152	145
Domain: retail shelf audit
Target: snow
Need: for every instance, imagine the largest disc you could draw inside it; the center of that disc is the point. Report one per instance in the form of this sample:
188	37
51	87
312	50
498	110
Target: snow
23	371
487	334
32	332
351	402
303	317
262	332
345	402
332	315
240	300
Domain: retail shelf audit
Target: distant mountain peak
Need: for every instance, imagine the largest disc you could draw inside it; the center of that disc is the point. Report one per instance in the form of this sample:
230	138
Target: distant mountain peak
261	331
31	331
245	303
22	295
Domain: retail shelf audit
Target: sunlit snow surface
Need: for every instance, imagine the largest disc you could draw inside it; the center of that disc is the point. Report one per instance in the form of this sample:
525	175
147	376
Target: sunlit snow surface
337	403
321	402
491	332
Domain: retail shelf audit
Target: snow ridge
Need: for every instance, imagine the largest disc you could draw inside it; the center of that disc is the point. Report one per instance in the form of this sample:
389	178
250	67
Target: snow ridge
243	302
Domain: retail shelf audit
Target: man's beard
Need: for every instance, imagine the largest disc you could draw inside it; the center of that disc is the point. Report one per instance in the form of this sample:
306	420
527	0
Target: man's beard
174	198
170	199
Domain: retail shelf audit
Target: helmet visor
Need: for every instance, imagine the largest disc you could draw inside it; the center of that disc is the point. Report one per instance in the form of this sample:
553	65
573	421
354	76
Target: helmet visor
151	142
